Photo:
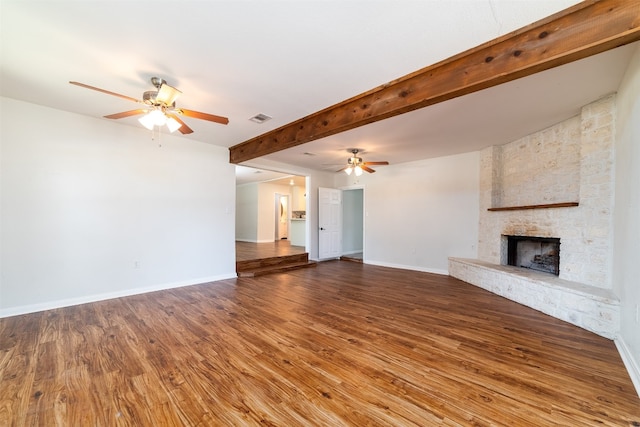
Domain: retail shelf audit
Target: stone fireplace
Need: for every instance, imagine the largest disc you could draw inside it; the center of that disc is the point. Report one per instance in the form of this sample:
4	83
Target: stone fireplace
551	186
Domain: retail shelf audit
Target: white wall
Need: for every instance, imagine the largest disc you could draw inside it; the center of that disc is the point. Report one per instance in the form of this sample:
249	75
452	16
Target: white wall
92	209
298	198
247	212
626	263
420	213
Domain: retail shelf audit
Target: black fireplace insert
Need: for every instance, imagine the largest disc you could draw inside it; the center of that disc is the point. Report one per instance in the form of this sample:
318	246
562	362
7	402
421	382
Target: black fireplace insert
535	253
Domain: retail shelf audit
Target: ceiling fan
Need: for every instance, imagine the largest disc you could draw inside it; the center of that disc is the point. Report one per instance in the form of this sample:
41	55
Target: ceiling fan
356	165
160	107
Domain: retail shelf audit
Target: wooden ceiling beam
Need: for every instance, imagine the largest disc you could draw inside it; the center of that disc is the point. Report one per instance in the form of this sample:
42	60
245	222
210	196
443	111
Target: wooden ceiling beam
586	29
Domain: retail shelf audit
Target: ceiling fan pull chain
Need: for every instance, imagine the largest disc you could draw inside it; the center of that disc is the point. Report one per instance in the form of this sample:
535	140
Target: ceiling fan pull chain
156	130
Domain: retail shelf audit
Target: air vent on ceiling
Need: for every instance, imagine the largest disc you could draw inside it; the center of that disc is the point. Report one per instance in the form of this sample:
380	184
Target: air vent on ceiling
260	118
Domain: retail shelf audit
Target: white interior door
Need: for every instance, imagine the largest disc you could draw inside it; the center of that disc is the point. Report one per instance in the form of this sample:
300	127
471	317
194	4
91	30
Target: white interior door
329	223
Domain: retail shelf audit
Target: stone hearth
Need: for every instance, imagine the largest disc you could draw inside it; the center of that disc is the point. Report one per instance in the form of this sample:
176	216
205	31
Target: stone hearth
594	309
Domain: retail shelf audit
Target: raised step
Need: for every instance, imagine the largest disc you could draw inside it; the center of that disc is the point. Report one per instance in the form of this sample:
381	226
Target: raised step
279	264
251	264
276	269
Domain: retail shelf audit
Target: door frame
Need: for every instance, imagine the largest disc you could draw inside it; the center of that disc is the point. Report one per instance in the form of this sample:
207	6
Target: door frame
364	213
277	215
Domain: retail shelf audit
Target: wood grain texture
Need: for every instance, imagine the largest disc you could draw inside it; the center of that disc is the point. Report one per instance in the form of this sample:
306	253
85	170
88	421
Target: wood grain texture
586	29
248	250
544	206
344	344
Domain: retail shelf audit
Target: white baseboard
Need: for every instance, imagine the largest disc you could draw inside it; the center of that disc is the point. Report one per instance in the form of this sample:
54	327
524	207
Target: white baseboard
254	241
629	362
352	252
409	267
50	305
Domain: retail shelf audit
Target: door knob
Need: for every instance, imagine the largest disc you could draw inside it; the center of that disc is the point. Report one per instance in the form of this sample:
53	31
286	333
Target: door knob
321	228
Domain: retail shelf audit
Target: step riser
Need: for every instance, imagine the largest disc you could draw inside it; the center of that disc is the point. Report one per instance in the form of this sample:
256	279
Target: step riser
272	270
253	264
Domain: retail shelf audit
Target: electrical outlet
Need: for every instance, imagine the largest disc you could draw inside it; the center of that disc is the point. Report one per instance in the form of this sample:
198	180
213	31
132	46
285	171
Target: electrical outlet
136	264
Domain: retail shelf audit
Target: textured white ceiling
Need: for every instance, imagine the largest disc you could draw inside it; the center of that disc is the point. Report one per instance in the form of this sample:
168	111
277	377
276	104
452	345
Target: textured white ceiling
288	59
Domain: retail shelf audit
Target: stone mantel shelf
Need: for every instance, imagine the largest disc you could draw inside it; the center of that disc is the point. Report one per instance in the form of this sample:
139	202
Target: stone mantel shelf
546	206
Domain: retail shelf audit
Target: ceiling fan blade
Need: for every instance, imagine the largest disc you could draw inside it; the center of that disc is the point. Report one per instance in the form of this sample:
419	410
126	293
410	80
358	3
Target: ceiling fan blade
184	129
375	163
108	92
203	116
366	168
126	114
167	94
344	168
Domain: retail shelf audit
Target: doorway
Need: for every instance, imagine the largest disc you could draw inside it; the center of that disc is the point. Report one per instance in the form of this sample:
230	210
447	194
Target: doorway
353	223
282	217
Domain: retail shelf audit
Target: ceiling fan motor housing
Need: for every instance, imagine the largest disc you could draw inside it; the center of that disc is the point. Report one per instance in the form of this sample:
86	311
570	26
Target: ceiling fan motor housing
150	98
157	82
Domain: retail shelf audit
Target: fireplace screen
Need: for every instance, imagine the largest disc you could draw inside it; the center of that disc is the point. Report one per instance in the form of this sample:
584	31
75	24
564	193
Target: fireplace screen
535	253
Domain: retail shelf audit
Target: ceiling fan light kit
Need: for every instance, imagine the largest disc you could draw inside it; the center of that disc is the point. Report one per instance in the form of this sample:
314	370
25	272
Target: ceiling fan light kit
357	170
158	118
161	108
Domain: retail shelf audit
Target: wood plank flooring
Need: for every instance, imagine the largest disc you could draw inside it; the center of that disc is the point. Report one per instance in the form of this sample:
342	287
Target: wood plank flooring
343	344
248	250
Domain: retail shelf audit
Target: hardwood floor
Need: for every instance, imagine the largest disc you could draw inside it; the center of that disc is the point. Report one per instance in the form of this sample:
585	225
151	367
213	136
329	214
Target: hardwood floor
247	250
357	257
343	344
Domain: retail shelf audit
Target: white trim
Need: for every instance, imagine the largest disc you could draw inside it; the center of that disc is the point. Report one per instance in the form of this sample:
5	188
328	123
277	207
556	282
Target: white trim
50	305
629	362
255	241
351	187
408	267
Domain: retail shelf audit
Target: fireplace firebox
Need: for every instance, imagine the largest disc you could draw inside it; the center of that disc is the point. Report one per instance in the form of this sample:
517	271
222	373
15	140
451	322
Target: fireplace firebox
536	253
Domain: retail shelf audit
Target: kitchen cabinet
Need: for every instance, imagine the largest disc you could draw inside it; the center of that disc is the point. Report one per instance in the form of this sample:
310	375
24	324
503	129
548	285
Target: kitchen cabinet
297	232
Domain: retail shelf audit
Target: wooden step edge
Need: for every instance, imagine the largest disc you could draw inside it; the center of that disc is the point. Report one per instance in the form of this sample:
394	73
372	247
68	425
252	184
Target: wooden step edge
279	269
271	261
350	259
